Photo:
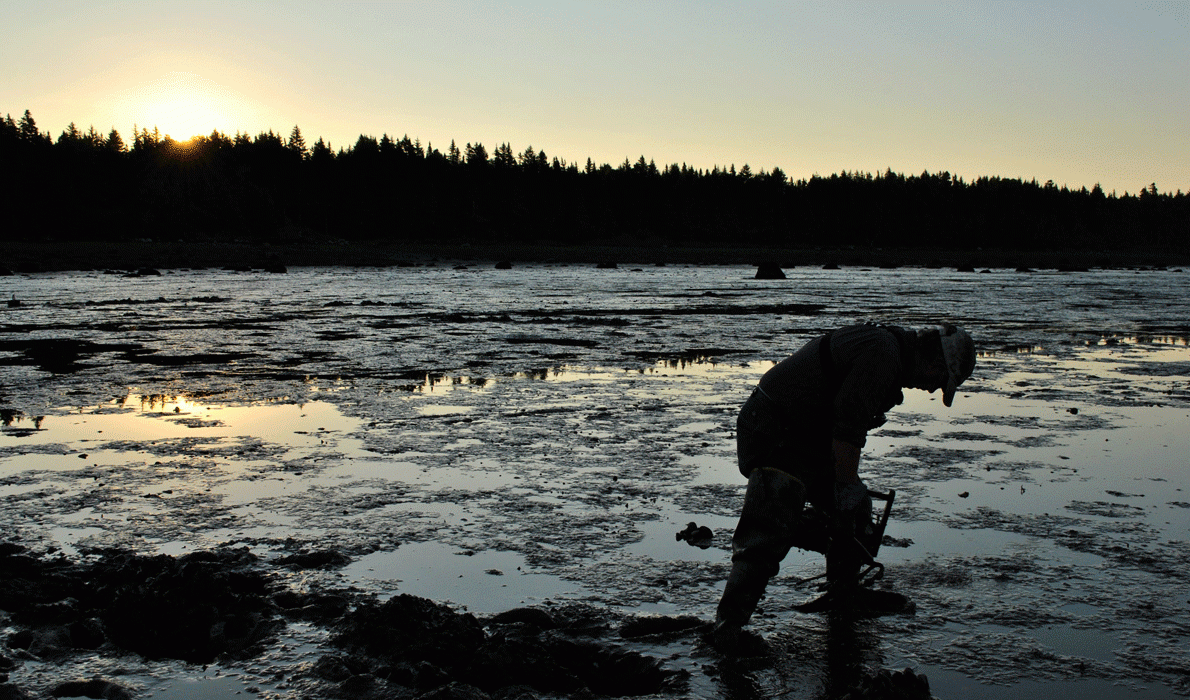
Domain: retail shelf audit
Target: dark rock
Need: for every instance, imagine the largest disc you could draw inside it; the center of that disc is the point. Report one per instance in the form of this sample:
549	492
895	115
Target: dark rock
56	612
94	688
316	607
769	271
332	668
520	657
622	672
523	692
606	266
325	559
697	536
410	628
504	265
86	634
420	675
8	691
455	691
45	643
360	687
831	266
193	608
556	664
416	643
147	272
889	685
531	616
648	625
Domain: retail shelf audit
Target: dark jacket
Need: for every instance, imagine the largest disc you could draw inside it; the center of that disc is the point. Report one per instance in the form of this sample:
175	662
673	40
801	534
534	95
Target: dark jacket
845	393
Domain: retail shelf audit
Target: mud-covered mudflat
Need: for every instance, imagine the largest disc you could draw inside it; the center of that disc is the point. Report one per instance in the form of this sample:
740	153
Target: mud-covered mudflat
323	448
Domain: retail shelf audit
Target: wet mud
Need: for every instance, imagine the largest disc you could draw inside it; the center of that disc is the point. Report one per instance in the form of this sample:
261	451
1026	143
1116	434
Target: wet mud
314	461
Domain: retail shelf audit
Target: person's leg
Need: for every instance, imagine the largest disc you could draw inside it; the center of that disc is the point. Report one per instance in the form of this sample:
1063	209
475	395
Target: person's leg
772	505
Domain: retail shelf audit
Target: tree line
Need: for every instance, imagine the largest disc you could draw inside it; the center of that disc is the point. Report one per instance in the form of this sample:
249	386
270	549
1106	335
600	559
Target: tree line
90	185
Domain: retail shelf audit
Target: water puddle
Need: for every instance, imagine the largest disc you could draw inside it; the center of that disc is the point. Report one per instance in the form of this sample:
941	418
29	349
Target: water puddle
479	581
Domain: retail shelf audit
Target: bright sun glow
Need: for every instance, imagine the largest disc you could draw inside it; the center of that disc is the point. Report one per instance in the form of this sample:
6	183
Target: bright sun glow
182	105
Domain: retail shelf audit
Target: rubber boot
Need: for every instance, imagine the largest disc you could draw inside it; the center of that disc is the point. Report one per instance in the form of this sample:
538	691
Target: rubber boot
742	592
772	505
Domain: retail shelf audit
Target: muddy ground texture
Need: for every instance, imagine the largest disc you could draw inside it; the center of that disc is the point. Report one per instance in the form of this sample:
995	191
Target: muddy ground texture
578	431
224	605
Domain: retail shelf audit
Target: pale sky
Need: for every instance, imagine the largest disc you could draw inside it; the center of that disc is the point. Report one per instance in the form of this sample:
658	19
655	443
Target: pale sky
1080	92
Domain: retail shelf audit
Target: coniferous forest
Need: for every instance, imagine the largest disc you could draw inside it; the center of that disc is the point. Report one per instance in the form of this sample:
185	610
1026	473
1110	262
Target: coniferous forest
86	185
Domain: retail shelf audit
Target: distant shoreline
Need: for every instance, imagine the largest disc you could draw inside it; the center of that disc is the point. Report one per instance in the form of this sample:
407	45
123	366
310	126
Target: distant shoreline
32	257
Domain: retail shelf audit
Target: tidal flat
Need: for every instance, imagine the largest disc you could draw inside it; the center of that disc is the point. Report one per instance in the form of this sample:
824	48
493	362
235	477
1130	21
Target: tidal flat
495	440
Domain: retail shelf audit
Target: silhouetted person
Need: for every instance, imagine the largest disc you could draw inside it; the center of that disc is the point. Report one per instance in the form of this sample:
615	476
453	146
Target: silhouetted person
799	437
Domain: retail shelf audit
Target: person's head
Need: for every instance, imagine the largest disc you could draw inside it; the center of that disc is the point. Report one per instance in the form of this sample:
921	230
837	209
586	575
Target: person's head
945	358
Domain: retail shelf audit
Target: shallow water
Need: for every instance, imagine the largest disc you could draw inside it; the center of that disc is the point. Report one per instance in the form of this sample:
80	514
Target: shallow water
503	438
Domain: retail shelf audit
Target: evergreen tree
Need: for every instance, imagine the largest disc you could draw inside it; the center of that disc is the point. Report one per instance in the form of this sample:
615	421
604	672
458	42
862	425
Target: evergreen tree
321	153
528	158
28	128
503	156
9	131
297	144
411	149
367	146
71	136
477	155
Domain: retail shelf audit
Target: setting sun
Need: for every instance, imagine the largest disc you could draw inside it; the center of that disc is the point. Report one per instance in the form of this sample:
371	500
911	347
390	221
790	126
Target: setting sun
182	105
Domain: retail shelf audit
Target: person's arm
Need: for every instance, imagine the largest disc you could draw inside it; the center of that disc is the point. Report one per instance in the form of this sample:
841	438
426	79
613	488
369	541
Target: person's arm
850	492
846	458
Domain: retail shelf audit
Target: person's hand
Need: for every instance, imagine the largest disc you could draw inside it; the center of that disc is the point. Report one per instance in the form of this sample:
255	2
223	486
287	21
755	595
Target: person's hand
850	496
